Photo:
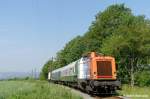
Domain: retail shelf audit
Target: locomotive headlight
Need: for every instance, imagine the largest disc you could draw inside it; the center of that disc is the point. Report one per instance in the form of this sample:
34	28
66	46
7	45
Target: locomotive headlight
94	74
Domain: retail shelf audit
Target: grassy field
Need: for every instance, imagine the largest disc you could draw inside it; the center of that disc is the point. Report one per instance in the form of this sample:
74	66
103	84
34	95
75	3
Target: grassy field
34	90
135	92
45	90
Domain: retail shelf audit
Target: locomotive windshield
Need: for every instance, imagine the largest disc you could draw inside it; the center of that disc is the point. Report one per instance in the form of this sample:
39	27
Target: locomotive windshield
104	68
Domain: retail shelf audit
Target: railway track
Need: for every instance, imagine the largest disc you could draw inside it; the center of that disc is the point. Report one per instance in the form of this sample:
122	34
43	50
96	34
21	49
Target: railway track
88	96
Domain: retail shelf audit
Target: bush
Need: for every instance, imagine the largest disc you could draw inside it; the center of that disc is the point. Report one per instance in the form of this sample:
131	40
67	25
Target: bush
143	78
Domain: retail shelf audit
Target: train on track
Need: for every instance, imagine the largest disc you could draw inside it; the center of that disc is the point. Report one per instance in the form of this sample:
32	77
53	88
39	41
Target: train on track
93	73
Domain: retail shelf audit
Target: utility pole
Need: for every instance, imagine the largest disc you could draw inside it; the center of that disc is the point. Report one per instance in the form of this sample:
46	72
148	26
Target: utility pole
51	66
35	73
32	73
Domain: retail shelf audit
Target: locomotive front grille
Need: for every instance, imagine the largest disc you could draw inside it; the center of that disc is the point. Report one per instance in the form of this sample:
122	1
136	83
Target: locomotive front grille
104	69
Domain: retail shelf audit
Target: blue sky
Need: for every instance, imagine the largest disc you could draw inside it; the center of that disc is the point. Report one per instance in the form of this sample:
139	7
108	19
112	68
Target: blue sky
32	31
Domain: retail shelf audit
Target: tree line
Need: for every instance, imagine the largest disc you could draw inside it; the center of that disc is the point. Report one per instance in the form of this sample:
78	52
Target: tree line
116	32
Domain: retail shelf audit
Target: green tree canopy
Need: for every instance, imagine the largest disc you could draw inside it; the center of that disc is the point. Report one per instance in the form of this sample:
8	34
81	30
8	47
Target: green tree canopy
116	32
130	44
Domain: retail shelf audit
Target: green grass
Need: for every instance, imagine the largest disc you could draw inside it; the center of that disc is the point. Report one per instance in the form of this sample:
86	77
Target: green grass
34	90
135	92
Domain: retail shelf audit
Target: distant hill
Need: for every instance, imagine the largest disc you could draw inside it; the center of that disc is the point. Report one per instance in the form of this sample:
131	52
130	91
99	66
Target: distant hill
9	75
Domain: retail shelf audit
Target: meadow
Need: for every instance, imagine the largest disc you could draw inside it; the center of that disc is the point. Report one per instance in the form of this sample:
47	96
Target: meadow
26	89
34	90
135	92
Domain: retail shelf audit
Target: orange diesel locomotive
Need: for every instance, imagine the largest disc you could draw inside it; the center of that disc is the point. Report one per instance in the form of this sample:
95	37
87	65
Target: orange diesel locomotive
93	73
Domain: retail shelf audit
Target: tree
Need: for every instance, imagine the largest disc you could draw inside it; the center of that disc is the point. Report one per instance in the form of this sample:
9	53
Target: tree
130	44
105	24
48	66
71	52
